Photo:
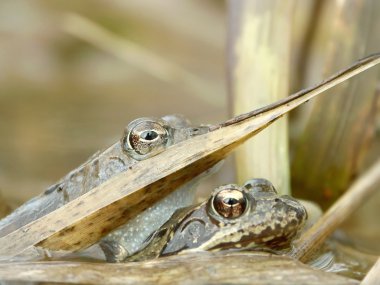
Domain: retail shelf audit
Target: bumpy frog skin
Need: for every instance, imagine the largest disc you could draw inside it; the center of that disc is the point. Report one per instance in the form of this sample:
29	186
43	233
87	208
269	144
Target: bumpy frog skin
253	216
143	138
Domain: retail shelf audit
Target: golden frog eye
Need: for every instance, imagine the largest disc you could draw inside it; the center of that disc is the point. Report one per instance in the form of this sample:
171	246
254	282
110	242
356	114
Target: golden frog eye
145	138
230	203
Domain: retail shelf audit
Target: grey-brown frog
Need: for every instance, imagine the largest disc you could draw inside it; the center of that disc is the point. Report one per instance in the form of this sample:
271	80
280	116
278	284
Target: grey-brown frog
142	139
253	216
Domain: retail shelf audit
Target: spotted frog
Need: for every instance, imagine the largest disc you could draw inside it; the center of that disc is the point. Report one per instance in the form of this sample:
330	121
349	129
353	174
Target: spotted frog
253	216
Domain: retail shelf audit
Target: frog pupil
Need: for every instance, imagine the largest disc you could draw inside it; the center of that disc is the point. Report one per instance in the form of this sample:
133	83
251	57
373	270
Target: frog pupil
230	201
149	135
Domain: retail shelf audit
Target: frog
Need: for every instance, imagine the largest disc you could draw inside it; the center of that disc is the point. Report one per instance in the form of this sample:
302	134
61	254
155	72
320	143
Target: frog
250	217
142	138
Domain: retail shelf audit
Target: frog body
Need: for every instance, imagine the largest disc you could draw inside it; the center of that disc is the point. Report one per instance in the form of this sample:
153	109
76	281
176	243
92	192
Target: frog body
128	238
253	216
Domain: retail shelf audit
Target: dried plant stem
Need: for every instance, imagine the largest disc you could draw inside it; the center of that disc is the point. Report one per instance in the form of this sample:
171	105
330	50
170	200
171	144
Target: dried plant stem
215	268
335	133
358	193
373	276
260	36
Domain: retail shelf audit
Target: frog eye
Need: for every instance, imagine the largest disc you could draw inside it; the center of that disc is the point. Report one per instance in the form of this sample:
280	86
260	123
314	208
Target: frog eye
145	138
230	203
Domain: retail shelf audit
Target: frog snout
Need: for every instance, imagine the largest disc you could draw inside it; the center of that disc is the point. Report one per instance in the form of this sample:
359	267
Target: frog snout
292	205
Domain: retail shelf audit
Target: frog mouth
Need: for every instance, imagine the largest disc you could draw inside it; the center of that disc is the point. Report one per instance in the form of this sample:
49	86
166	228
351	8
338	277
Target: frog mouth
276	238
